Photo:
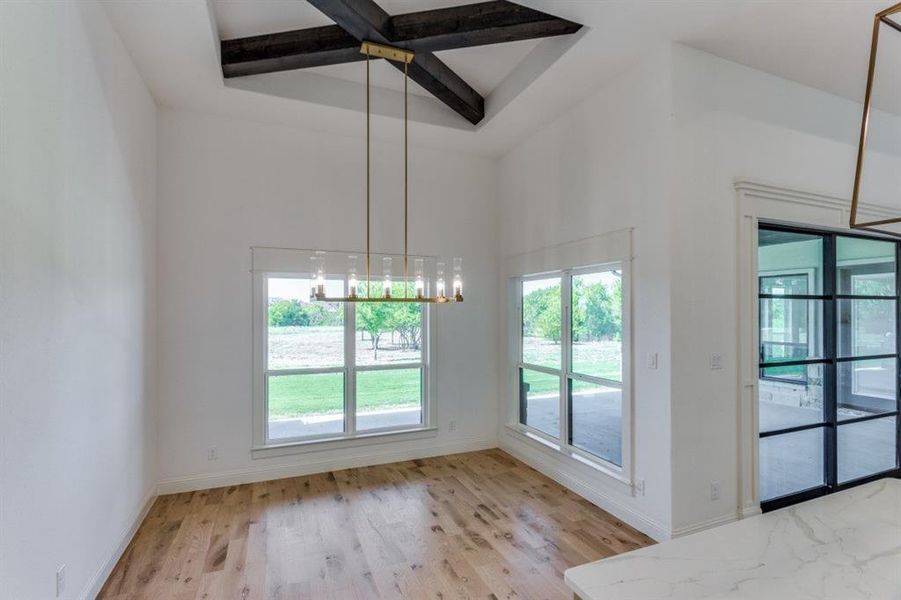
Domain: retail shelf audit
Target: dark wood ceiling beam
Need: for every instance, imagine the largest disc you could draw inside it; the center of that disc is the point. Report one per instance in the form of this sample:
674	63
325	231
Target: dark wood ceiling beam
300	49
365	20
427	31
475	25
423	32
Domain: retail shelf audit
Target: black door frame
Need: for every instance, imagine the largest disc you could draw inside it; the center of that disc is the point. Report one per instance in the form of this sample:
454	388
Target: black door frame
830	361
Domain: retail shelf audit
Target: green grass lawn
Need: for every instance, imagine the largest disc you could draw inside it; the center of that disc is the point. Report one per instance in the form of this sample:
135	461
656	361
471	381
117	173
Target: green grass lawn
597	359
542	383
304	395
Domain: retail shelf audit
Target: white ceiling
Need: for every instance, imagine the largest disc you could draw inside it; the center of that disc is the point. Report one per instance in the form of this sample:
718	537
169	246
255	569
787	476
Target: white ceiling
483	67
822	43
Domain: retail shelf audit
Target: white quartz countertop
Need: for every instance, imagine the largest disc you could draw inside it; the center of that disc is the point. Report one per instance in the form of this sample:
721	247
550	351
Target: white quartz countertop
843	546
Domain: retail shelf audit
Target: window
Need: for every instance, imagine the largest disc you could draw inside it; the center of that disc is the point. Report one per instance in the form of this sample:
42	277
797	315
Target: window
334	370
827	393
786	325
571	343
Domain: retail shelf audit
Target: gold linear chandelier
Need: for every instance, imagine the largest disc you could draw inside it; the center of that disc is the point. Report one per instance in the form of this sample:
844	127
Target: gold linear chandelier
421	289
881	18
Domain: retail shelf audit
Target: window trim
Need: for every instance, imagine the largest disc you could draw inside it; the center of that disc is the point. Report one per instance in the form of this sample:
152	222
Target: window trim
263	446
562	445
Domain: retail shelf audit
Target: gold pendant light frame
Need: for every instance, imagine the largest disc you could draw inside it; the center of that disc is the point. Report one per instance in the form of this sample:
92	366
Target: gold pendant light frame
882	17
401	55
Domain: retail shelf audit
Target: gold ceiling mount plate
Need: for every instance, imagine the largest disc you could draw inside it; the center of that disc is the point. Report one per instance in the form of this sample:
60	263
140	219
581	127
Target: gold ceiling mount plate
881	18
388	52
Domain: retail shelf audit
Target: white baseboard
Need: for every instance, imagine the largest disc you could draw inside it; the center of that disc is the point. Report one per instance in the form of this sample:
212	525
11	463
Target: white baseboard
364	457
569	479
92	589
708	524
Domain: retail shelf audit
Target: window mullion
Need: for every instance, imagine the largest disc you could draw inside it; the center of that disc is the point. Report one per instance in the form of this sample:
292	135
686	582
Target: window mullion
350	372
830	349
566	356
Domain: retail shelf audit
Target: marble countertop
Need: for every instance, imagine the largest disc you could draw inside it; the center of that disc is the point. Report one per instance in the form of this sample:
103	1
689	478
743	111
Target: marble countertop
843	546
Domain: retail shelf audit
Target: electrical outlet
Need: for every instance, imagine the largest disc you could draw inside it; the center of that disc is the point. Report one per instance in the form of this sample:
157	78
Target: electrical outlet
639	487
212	454
452	426
716	362
60	580
714	491
652	360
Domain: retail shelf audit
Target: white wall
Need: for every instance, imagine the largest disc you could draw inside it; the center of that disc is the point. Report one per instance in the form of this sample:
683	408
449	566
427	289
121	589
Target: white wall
77	281
733	122
227	185
602	167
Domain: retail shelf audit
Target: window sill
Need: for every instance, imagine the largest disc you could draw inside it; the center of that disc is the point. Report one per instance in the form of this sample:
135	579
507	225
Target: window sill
320	445
598	465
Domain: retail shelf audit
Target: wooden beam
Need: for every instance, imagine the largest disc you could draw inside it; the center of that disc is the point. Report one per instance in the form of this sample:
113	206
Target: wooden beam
432	74
365	20
426	31
475	25
300	49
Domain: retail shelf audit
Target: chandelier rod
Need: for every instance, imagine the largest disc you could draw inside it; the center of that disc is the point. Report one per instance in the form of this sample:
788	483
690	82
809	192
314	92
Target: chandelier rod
368	151
406	186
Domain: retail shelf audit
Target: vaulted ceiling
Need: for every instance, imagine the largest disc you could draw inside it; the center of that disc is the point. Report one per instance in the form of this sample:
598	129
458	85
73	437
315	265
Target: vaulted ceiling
526	84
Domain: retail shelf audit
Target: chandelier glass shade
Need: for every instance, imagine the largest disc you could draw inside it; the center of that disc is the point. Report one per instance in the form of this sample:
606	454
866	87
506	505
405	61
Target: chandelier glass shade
410	281
425	283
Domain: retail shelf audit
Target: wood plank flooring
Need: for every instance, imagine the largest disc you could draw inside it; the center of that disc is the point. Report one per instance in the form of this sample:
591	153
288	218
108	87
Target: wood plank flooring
474	525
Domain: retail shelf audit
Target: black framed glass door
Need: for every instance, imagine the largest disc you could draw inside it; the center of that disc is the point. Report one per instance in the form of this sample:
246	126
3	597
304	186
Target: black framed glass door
828	400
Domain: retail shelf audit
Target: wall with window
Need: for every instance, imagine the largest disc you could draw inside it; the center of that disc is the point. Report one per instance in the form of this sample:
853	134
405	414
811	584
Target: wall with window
596	170
660	150
733	122
227	185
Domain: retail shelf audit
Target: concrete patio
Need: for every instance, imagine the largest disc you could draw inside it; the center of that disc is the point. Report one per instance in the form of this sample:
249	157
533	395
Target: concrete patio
596	421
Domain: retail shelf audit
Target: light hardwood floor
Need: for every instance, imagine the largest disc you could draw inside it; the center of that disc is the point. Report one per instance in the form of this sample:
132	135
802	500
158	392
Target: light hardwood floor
475	525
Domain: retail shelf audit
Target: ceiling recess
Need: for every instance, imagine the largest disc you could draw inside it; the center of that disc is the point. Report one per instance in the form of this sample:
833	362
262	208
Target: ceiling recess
423	32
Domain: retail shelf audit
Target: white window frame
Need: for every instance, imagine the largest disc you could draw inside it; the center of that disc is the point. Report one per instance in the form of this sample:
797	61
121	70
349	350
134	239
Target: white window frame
263	446
621	472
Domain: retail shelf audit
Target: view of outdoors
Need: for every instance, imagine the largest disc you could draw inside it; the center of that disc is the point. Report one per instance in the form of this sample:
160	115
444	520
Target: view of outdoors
792	328
596	351
596	324
306	335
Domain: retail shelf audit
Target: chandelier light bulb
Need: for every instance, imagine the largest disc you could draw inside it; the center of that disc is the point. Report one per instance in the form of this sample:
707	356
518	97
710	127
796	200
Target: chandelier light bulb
458	279
318	268
386	269
439	280
420	281
352	282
